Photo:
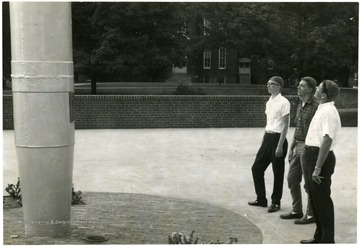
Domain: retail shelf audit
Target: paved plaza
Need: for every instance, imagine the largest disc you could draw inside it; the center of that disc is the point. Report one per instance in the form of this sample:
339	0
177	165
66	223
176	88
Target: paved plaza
210	166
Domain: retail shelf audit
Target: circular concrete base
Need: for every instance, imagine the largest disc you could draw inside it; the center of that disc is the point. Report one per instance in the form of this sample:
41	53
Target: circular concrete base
141	219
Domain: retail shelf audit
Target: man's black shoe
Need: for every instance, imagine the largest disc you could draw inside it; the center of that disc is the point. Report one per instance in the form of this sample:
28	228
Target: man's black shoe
273	208
311	240
305	220
292	215
259	204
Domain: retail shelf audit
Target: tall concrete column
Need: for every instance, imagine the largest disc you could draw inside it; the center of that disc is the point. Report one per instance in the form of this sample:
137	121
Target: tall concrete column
42	82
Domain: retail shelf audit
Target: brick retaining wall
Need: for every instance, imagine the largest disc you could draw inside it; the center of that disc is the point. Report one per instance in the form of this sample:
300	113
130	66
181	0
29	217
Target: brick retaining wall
8	122
168	111
122	112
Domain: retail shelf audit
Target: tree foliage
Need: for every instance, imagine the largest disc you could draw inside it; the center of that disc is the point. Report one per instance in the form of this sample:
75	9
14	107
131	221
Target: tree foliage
131	41
320	39
6	46
327	43
140	41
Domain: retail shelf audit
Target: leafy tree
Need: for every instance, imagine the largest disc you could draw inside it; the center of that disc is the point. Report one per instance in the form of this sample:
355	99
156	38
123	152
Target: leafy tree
140	41
84	42
294	39
6	44
131	41
326	44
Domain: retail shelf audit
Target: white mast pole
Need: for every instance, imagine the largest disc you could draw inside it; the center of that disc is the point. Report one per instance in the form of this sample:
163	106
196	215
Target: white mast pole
42	82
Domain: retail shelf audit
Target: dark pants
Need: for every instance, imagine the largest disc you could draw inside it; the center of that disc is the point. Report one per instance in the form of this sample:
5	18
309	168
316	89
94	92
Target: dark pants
264	157
321	201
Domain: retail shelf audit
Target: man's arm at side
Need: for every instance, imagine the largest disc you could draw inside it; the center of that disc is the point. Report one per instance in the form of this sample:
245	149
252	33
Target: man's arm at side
323	153
279	149
324	150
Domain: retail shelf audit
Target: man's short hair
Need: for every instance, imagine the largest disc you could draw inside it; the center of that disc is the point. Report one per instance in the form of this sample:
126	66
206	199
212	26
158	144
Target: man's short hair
311	82
278	80
332	89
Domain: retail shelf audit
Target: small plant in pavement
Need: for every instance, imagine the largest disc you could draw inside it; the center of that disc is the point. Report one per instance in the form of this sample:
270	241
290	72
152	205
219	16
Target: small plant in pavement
15	192
180	238
76	197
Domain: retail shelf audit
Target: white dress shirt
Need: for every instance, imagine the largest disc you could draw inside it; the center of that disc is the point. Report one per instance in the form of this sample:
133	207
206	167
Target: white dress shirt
326	121
276	109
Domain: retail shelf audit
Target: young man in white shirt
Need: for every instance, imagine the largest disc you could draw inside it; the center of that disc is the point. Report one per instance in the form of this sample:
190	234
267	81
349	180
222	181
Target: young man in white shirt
320	161
274	146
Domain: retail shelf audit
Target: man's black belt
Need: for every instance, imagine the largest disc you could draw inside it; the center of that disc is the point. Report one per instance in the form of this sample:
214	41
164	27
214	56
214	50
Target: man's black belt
312	148
300	140
271	132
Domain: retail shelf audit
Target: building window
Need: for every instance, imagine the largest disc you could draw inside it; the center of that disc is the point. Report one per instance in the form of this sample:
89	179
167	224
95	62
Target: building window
207	24
222	58
207	59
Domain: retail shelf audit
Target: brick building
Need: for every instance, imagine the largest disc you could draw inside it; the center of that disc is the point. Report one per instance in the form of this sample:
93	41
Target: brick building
213	64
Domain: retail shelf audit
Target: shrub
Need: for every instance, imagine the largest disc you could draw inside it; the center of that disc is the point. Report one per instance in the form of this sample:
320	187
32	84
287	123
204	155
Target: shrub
188	90
15	192
180	238
76	197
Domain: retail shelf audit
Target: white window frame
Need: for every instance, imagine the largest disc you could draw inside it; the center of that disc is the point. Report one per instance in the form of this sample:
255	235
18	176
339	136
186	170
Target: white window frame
207	24
222	58
207	59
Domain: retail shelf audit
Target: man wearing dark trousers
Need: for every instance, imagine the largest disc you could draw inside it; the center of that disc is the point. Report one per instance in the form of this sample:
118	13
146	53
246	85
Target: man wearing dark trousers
320	161
274	146
304	114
